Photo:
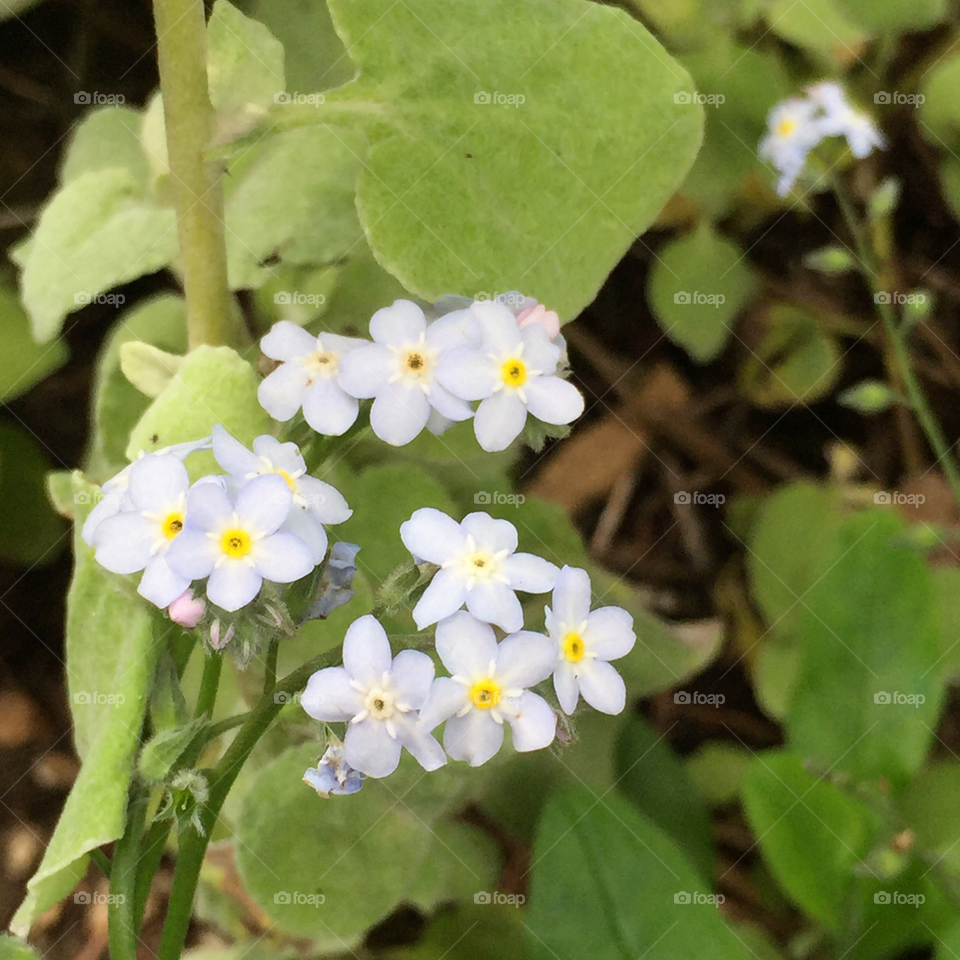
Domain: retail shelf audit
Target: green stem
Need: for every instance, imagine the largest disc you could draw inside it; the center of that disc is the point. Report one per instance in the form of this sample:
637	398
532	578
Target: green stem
270	667
150	856
121	917
193	845
918	400
197	189
208	684
102	861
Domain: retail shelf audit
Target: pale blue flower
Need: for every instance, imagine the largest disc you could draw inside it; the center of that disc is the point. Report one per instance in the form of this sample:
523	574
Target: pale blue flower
840	119
793	130
333	774
336	583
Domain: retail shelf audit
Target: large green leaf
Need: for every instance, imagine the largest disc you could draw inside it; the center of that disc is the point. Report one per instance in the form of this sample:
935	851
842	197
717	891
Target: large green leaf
812	834
113	641
364	853
607	883
869	686
213	385
108	138
697	287
97	232
24	361
465	192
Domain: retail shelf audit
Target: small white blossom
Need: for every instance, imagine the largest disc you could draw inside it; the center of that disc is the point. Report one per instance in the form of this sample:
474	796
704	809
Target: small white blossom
315	503
237	544
840	119
479	567
489	686
793	130
398	371
584	642
308	377
379	696
511	373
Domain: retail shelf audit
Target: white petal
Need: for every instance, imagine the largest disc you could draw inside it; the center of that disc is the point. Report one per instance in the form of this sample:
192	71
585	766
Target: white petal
539	353
495	603
553	400
157	482
109	506
499	421
281	392
609	633
446	697
602	687
432	535
534	725
159	584
425	748
474	737
399	413
305	527
525	658
444	596
192	554
283	456
124	541
264	503
458	328
467	373
438	424
328	408
571	598
567	686
364	372
334	343
282	558
412	673
330	697
530	573
489	533
370	749
233	585
501	332
286	340
445	403
324	502
209	507
232	455
402	322
465	645
366	651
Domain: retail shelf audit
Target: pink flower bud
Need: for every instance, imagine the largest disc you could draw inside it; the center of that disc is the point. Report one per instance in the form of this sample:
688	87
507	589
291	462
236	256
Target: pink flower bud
548	319
187	609
215	640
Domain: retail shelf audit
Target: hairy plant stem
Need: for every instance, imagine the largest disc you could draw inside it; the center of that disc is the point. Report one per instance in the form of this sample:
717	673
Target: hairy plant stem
209	683
122	922
193	844
901	355
197	188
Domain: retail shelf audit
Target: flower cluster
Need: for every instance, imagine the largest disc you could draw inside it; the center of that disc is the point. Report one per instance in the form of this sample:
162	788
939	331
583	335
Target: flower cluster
261	520
392	702
798	125
426	374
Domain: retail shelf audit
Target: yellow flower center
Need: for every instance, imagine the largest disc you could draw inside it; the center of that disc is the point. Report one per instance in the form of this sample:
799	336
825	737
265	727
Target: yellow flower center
236	544
172	524
514	373
480	565
323	363
416	363
291	483
573	647
379	703
786	127
485	694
